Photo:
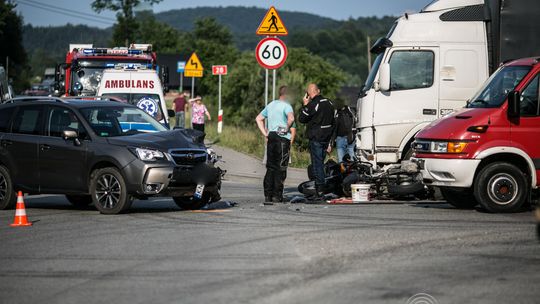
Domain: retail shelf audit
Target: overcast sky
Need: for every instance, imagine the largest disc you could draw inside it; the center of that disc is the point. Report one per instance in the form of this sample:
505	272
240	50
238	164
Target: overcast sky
59	12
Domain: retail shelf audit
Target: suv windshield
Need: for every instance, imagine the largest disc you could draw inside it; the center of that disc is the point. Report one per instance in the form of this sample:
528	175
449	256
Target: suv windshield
150	103
497	87
120	121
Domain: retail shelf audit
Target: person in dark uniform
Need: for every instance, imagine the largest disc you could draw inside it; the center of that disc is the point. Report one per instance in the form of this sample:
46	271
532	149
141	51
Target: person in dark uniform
318	114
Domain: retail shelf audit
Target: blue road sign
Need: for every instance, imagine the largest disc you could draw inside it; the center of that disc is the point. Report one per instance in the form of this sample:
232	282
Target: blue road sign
180	66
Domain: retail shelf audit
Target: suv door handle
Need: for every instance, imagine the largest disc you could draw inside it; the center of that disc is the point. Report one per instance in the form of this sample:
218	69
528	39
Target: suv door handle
44	147
5	143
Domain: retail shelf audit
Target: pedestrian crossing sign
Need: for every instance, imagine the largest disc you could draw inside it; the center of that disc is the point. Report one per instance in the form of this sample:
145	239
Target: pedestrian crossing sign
272	25
194	67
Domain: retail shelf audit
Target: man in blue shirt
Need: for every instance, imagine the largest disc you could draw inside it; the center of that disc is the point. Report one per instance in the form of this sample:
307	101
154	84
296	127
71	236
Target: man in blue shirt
274	122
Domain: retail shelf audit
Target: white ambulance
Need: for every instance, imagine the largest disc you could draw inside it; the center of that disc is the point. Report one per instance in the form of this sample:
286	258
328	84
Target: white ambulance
133	84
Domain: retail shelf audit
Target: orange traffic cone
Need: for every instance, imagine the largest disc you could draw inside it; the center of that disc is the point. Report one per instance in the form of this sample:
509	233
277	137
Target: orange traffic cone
20	213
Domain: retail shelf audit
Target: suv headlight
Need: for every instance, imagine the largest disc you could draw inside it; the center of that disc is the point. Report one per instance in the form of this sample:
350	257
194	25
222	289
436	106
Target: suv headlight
149	155
212	156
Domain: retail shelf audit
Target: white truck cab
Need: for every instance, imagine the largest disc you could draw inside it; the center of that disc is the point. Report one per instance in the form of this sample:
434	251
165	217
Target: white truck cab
138	86
430	64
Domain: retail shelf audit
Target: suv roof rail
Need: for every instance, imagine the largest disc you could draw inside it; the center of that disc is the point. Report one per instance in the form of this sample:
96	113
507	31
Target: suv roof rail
100	98
34	98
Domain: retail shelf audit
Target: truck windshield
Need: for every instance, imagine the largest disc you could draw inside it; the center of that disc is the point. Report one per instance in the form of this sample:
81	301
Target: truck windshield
497	87
86	74
120	121
371	77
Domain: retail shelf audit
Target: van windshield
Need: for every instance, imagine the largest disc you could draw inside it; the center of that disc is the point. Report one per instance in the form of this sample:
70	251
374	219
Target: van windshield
120	121
494	92
150	103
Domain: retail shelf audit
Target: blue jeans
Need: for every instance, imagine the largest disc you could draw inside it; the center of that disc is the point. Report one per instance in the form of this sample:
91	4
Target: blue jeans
343	147
317	151
180	120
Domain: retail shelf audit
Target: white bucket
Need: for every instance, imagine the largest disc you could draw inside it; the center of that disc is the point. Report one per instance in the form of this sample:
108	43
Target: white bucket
360	192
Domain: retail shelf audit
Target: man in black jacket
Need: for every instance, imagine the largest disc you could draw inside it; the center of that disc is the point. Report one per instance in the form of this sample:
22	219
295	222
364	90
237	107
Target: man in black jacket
318	114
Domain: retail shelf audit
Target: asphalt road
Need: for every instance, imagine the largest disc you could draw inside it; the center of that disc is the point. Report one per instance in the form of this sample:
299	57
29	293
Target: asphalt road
379	253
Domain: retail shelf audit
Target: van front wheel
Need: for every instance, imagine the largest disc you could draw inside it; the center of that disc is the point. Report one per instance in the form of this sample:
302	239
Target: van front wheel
501	187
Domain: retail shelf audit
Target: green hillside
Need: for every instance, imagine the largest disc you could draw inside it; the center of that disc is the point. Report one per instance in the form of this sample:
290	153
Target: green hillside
341	42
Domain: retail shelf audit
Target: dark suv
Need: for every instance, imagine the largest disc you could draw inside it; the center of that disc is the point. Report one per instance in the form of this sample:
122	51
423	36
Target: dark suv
103	152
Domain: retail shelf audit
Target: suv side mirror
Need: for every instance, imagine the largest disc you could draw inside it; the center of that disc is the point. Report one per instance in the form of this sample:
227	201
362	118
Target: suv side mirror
514	101
384	77
71	135
171	113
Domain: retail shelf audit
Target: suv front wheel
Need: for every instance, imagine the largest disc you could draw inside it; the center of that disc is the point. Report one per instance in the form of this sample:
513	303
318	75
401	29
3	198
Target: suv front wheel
8	198
109	191
501	187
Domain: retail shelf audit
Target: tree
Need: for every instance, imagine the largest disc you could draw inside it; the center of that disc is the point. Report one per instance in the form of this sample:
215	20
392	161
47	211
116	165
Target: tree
11	45
163	37
125	30
214	45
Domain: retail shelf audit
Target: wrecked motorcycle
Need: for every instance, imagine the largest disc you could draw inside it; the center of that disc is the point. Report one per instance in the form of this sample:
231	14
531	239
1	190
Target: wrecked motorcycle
400	181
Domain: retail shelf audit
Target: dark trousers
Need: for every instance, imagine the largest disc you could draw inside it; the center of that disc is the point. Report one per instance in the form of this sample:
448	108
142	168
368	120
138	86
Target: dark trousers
277	160
199	127
317	151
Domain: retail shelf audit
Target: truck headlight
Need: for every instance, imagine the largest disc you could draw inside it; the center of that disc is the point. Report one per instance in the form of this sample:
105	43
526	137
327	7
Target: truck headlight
148	155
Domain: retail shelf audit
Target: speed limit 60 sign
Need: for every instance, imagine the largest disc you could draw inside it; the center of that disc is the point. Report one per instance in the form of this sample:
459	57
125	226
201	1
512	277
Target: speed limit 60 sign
271	53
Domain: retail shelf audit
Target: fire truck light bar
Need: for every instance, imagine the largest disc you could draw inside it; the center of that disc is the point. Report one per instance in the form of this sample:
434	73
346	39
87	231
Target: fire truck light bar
113	52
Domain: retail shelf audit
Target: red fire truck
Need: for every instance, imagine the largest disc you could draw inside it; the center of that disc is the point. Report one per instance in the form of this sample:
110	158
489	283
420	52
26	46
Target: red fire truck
81	74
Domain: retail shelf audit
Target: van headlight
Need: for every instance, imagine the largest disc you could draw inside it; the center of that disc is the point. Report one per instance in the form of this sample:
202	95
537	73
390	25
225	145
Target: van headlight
148	154
442	147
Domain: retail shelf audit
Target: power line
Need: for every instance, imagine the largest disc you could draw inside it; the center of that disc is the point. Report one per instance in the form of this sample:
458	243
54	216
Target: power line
62	12
81	16
72	11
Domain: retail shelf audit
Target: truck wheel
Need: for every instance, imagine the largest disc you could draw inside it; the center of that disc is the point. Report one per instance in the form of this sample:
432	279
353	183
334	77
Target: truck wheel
8	197
109	192
459	198
501	187
79	200
191	203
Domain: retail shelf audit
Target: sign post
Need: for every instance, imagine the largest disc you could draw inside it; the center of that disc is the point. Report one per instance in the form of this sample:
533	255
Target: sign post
271	25
180	66
271	52
219	70
193	69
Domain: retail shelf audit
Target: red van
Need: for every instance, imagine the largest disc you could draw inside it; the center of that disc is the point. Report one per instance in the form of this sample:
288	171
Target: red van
488	153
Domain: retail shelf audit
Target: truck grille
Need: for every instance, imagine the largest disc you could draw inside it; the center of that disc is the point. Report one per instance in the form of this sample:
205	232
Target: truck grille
188	157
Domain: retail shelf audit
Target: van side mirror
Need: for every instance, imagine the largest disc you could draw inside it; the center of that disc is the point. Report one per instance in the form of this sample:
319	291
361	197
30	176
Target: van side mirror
171	113
514	101
384	77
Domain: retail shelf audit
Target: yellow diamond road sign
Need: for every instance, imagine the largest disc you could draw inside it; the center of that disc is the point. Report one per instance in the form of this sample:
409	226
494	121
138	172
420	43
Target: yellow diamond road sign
272	25
194	67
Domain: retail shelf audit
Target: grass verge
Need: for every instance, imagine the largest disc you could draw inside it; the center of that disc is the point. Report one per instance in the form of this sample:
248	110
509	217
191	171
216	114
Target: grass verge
246	140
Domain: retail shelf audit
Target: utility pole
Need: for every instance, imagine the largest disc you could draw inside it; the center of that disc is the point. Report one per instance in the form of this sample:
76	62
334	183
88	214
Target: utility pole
7	68
368	53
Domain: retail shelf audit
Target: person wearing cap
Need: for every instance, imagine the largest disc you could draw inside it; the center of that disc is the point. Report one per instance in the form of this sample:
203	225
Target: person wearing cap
279	117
